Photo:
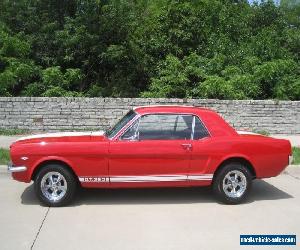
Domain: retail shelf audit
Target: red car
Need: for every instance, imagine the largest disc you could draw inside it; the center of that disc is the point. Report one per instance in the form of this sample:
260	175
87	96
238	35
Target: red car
154	146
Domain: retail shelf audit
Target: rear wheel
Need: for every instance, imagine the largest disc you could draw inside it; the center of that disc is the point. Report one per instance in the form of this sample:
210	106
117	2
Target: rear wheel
55	185
232	183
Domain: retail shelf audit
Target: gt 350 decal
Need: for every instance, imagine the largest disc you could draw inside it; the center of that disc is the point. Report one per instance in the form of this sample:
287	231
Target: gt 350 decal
94	179
147	178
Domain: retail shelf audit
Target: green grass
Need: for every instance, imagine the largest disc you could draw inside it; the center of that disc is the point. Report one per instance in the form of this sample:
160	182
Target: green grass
296	155
14	131
262	132
4	156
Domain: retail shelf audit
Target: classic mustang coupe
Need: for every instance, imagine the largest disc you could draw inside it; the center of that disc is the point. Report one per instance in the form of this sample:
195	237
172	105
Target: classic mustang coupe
154	146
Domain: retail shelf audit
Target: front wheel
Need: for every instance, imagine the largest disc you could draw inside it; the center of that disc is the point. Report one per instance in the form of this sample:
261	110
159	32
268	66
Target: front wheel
55	185
232	183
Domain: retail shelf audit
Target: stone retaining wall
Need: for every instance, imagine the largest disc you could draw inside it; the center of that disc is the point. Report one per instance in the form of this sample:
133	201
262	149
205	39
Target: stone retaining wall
72	114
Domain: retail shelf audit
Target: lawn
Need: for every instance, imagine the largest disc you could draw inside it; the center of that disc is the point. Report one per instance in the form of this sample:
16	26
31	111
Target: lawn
296	155
14	131
4	156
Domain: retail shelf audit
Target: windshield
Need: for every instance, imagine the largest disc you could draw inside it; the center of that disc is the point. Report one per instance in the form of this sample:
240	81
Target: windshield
110	133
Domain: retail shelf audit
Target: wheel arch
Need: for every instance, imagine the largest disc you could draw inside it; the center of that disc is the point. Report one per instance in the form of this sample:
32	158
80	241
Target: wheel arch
237	159
46	162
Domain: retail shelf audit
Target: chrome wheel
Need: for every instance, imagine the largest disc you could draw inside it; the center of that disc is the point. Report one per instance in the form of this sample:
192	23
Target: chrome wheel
234	184
54	186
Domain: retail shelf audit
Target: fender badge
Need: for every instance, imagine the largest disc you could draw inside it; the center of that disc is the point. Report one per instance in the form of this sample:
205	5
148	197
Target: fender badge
24	158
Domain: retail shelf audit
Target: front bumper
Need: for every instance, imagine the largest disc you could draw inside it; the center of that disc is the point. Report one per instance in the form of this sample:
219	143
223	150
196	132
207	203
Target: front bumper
13	169
290	159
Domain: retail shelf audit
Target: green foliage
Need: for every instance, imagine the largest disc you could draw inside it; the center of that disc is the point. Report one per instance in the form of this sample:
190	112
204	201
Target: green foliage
171	82
15	131
296	155
13	46
202	49
33	89
95	91
215	87
56	83
52	76
4	156
262	132
59	91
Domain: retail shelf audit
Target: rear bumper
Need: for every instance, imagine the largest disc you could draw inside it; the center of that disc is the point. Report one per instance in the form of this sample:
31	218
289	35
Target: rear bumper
14	169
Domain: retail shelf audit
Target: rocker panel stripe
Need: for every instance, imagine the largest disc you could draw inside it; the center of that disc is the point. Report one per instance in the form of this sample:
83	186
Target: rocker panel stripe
146	178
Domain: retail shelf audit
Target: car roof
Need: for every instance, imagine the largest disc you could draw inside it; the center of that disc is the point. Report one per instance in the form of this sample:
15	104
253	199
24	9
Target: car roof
171	109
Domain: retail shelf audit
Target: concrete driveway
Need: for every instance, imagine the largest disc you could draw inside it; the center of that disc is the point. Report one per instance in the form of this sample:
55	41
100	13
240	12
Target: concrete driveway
148	218
5	140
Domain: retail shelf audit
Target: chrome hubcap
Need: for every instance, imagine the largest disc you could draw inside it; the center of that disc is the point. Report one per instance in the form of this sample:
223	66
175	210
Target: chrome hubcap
234	184
54	186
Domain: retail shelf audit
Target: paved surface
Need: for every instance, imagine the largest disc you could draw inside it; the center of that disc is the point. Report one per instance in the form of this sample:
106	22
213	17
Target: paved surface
5	141
294	139
147	218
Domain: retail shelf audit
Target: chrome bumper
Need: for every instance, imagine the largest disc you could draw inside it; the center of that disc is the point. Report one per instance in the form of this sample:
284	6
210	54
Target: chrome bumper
290	159
12	169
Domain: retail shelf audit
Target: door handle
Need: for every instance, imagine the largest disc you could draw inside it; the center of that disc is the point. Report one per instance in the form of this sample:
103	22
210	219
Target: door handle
187	146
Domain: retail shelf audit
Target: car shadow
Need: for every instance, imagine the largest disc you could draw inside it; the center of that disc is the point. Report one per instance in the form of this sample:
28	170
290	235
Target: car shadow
261	190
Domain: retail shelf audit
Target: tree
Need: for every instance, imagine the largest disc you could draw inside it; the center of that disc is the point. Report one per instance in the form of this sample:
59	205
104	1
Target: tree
160	48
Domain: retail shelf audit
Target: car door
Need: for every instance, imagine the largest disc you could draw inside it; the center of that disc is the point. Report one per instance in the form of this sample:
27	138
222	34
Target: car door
154	151
202	151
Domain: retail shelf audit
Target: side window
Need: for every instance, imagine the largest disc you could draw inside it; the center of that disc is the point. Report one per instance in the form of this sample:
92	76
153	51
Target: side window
165	127
200	130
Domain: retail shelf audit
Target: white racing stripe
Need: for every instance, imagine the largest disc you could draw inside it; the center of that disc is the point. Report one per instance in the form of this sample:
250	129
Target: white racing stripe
147	178
240	132
61	134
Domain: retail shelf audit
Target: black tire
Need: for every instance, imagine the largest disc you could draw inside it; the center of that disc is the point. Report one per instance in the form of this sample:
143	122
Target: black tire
223	177
65	175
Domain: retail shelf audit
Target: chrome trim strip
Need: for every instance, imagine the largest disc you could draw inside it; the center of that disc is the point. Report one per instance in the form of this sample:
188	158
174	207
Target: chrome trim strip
146	178
193	127
200	177
14	169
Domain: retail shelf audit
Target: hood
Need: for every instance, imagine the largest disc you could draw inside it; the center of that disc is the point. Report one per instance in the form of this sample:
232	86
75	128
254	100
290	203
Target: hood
61	137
